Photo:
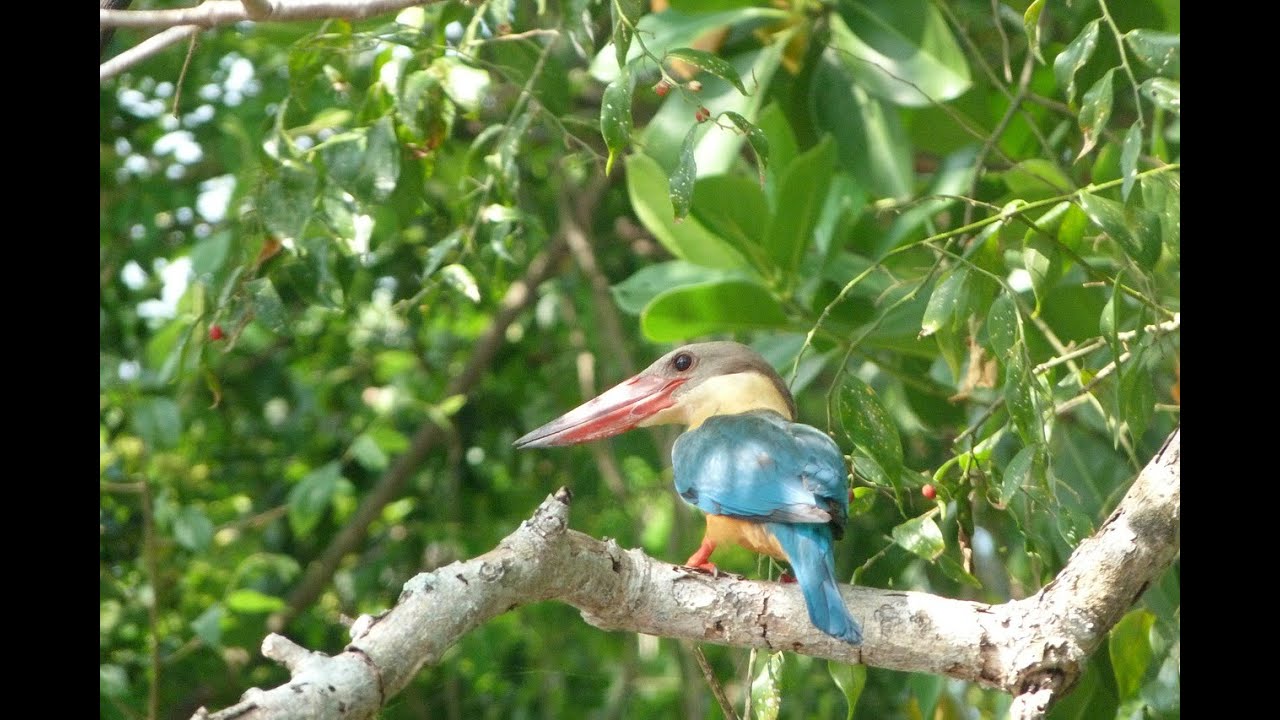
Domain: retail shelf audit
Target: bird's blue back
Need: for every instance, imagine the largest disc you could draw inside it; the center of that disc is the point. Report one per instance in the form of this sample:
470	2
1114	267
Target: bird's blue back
759	466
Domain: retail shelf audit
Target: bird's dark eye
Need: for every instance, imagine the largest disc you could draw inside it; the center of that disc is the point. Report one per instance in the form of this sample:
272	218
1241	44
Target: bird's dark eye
682	362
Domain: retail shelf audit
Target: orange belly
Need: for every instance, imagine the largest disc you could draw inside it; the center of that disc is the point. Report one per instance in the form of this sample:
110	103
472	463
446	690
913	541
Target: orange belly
752	536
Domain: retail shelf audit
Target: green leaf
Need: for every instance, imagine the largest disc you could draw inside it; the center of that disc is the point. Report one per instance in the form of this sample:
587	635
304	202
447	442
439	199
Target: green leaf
380	169
954	570
310	497
1095	111
192	529
366	451
1041	258
1074	56
649	190
695	310
615	117
947	302
862	500
766	689
268	308
1159	51
851	679
682	179
1162	194
871	141
1110	217
1164	93
756	138
209	255
650	281
460	278
1130	649
1137	398
625	15
1021	397
708	62
735	209
158	422
1129	158
208	625
1031	24
252	602
870	428
1020	472
801	194
1002	325
921	536
901	51
286	198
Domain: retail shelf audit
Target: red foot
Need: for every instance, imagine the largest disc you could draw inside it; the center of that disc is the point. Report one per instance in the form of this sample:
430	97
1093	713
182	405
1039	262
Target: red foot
787	578
701	560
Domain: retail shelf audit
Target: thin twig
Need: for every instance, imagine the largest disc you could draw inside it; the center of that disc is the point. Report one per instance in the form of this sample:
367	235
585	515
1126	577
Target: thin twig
713	682
182	75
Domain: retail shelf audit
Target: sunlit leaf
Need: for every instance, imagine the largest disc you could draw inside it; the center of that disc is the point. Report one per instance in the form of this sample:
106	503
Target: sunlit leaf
766	689
648	187
634	293
268	308
901	51
1031	25
691	311
1130	649
921	536
851	679
253	602
735	209
871	141
460	278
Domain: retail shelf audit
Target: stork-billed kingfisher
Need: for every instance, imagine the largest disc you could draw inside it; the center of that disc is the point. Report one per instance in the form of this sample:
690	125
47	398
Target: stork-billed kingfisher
766	483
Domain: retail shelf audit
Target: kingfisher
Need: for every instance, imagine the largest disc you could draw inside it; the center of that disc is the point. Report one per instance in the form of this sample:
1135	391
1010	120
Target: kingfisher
764	481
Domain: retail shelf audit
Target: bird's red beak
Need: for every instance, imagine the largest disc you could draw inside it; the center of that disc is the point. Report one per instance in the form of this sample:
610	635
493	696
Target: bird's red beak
615	411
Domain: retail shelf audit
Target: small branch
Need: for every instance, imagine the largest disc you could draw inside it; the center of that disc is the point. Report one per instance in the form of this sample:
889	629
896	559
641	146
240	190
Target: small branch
213	13
143	50
1034	649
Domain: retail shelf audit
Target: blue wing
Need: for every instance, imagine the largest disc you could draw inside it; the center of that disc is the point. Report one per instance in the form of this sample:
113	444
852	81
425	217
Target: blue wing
761	467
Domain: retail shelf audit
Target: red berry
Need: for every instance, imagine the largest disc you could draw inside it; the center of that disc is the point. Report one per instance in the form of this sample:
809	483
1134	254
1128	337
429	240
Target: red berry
662	88
929	492
702	115
215	332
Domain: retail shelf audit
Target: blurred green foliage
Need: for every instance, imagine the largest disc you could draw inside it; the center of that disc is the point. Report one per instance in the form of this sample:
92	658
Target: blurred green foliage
953	226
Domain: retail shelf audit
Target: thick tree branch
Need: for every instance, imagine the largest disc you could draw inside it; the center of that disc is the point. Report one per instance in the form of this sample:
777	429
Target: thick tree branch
212	13
1033	648
145	49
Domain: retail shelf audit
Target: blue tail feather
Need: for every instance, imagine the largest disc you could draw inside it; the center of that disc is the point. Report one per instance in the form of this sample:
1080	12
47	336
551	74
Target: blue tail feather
808	547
